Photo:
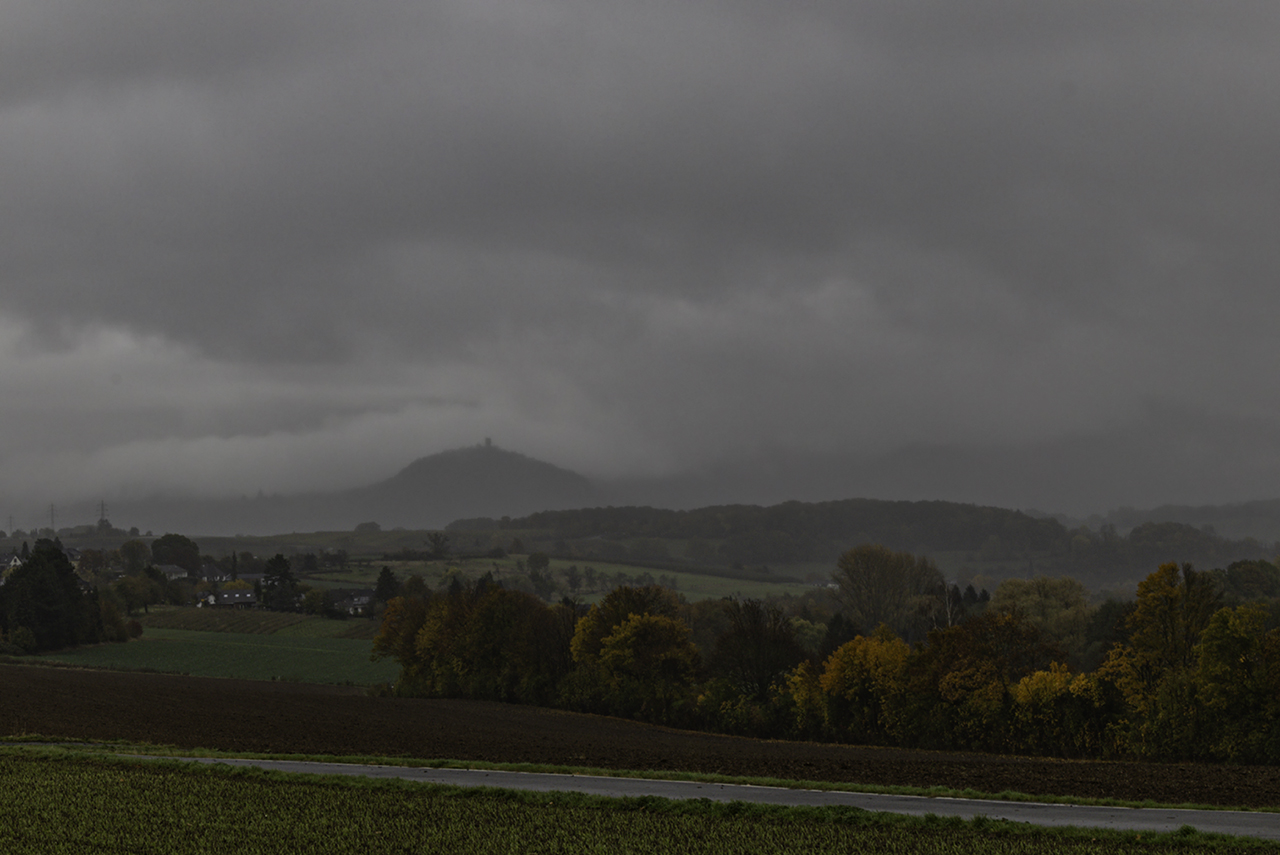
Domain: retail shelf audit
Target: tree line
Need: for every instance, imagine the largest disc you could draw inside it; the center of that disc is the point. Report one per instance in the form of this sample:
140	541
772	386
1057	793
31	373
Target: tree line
1188	670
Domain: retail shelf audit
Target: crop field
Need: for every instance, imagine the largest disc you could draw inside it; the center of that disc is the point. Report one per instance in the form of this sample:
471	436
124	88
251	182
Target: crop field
250	656
56	804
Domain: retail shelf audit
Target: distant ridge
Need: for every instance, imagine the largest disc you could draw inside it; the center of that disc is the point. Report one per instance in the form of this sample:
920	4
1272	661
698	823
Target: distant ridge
485	481
1258	519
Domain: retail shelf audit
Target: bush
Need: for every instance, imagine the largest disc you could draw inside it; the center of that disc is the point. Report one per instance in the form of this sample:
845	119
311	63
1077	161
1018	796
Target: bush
23	638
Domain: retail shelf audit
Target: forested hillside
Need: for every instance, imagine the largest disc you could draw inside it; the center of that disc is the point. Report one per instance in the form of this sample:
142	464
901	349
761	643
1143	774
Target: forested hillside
803	532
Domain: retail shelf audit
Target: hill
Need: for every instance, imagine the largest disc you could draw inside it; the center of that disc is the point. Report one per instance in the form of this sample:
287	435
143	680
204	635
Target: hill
964	539
482	480
1258	519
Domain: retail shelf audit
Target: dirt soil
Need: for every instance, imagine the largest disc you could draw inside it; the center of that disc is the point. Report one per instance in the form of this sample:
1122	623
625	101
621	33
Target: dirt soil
238	715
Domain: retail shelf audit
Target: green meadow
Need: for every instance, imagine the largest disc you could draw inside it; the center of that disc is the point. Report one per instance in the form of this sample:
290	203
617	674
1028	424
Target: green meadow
693	586
243	655
257	622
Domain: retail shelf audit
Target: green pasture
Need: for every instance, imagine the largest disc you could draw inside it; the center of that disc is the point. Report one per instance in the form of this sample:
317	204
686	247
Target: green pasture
56	802
249	656
257	622
694	586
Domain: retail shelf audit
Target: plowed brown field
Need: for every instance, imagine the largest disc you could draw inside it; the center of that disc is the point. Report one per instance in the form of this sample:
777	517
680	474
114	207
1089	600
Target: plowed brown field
236	715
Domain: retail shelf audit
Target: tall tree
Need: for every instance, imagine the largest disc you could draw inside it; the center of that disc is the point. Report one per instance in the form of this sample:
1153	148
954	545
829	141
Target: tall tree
135	555
1238	679
863	681
1058	607
437	545
648	665
618	605
878	585
758	648
42	606
397	639
959	684
388	585
279	586
1174	606
1154	670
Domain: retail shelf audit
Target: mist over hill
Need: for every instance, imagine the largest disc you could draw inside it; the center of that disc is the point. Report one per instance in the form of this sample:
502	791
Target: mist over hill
487	482
481	480
1259	519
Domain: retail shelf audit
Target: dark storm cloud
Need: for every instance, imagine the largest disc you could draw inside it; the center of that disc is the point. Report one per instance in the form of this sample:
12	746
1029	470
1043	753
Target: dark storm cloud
627	236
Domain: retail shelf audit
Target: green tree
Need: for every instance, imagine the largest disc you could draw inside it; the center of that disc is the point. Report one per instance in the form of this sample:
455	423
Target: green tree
590	687
539	566
1248	581
1173	608
388	585
509	646
397	639
960	683
93	563
437	546
618	605
42	606
648	664
1154	670
279	586
1057	607
1059	713
478	641
1238	681
572	577
135	555
313	602
177	550
863	683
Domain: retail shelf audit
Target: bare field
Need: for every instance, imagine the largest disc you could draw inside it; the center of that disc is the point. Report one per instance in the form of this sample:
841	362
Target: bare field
241	715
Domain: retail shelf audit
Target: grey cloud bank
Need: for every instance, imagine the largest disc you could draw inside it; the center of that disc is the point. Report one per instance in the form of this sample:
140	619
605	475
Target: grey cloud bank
1022	255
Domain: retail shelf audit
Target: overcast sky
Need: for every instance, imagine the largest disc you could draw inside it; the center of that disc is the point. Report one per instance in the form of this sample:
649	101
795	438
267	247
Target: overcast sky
254	244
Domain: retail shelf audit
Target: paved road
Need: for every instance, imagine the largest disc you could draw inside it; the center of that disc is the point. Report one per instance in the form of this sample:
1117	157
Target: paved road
1242	823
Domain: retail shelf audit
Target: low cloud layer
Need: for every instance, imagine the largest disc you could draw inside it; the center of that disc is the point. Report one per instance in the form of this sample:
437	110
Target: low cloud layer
253	245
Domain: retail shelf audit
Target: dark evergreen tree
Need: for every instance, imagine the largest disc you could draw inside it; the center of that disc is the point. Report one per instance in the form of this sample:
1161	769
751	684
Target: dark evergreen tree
42	606
279	587
388	586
